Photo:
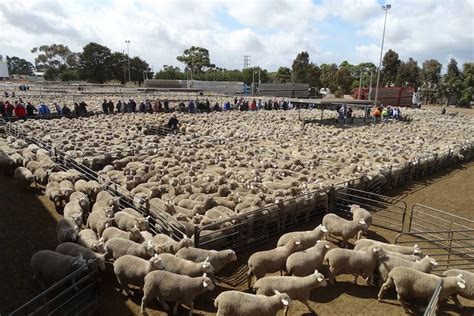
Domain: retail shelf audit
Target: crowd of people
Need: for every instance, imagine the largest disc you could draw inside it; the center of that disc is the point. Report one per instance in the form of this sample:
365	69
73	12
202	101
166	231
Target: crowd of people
20	110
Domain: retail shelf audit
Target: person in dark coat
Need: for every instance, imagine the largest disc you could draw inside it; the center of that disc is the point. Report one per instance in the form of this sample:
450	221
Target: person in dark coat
173	122
110	106
142	107
83	107
118	106
2	109
66	110
77	109
105	107
166	105
30	109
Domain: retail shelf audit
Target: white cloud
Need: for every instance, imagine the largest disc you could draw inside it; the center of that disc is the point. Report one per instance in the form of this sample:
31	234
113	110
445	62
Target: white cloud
271	31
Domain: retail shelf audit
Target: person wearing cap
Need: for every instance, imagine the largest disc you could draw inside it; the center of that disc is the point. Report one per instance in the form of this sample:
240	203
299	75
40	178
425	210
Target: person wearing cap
173	122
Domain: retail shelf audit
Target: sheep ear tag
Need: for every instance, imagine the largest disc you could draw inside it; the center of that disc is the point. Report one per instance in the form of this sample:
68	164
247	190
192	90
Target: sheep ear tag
285	302
362	222
324	229
297	242
276	292
327	246
320	279
461	285
204	284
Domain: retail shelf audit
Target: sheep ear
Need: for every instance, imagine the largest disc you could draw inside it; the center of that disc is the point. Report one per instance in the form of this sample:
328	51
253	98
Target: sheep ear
461	285
327	246
285	302
320	279
207	260
362	222
375	249
324	229
204	284
460	275
204	275
101	239
316	271
433	262
276	292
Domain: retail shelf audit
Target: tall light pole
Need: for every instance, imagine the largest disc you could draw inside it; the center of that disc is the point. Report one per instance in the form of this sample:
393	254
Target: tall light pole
128	58
385	8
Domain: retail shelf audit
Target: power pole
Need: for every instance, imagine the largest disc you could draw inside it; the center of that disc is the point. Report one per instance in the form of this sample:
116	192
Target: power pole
128	57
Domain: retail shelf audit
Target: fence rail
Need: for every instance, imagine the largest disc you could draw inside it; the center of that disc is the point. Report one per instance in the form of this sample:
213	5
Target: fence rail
432	308
76	294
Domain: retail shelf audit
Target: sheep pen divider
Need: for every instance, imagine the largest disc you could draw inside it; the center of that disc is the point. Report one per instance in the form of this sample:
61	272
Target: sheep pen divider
77	294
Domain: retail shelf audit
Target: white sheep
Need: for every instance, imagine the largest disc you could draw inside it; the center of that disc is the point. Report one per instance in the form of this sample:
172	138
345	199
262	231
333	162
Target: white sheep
297	288
338	226
303	263
387	264
73	210
411	283
98	222
218	259
75	250
359	213
132	270
126	221
67	229
269	261
23	177
41	176
353	262
363	244
307	238
132	234
50	267
235	303
166	244
53	192
173	264
167	286
82	199
88	239
117	247
66	188
468	291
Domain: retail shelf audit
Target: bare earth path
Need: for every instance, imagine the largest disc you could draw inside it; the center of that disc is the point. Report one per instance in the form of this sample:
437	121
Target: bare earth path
27	224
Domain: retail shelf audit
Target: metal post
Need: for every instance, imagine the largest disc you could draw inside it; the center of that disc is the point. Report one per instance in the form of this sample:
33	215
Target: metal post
259	81
385	8
253	81
128	58
360	86
370	86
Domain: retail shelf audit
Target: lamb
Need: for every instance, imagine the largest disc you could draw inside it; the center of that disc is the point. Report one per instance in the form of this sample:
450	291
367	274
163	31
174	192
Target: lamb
126	221
73	210
82	199
297	288
59	176
167	286
412	283
53	191
105	211
167	244
235	303
132	270
75	250
41	176
173	264
218	259
207	203
131	211
23	177
303	263
359	213
468	291
98	222
67	229
117	247
66	188
132	234
387	264
112	204
104	196
88	239
307	238
365	243
269	261
353	262
338	226
50	267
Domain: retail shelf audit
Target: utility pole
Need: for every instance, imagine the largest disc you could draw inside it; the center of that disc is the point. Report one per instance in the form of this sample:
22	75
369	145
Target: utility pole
385	8
370	85
253	81
360	85
124	69
128	58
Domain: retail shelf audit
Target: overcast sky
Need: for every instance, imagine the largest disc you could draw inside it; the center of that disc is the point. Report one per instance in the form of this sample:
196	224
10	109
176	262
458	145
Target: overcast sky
272	32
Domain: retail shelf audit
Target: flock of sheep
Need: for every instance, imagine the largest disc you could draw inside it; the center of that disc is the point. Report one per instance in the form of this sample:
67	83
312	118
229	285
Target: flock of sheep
221	165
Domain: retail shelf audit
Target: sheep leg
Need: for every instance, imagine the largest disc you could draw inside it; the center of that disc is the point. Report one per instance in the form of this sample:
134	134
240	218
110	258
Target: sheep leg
164	304
143	306
332	278
370	279
175	308
125	287
249	278
305	302
456	301
388	284
402	302
355	278
191	309
285	311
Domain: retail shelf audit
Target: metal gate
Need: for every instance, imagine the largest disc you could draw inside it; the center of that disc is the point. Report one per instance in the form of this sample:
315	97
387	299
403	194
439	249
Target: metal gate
387	212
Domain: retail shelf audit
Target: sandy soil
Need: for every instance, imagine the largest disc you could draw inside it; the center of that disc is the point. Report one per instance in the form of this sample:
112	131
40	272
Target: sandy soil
27	224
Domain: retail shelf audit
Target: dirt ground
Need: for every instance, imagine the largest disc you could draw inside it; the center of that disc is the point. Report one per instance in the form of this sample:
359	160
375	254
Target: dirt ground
28	219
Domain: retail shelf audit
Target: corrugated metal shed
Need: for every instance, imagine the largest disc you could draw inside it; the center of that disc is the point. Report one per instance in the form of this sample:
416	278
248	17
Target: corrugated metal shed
4	71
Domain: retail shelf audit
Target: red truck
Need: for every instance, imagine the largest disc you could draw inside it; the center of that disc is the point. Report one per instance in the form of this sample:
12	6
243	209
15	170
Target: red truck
394	96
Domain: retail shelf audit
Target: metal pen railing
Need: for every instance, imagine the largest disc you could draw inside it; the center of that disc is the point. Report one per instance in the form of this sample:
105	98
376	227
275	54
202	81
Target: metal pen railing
432	308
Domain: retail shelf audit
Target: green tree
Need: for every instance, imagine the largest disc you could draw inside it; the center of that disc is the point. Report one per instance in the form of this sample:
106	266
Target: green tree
251	73
408	74
118	67
196	59
70	74
390	65
431	76
19	66
139	69
314	74
344	79
452	82
328	76
170	73
95	63
54	59
300	68
283	75
467	86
